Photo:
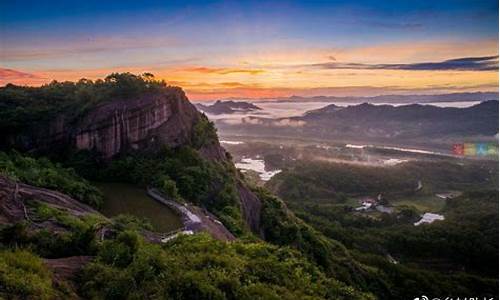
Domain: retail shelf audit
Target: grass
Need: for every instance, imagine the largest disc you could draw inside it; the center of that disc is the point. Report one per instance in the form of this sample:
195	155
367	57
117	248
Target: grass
45	212
24	275
423	204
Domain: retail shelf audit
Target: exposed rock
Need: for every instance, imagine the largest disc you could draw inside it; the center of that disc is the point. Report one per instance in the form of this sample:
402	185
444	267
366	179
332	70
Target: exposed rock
65	271
68	267
164	117
13	198
146	122
194	218
251	207
156	119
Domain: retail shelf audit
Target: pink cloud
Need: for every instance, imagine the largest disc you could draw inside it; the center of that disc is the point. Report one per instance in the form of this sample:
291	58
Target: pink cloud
19	77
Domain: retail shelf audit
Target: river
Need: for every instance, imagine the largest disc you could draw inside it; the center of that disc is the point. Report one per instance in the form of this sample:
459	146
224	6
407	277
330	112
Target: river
122	198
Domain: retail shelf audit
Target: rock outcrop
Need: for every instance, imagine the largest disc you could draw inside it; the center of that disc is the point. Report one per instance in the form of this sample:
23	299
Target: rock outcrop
161	118
145	122
14	197
165	119
251	208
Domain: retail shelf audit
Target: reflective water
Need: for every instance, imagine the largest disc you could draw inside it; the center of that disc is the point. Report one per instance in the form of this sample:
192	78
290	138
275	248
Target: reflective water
122	198
258	166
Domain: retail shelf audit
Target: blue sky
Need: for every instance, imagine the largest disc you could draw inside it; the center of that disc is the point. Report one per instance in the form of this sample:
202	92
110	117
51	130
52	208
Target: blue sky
56	37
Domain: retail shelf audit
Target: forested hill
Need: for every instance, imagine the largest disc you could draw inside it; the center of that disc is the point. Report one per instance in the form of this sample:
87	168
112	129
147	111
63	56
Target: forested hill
409	120
135	129
54	244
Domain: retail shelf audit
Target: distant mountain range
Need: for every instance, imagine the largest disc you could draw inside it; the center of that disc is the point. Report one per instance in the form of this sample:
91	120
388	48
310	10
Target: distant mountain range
452	97
227	107
406	125
408	121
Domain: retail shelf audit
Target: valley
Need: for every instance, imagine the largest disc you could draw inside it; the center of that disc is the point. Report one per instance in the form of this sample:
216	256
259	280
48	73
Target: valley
134	185
249	150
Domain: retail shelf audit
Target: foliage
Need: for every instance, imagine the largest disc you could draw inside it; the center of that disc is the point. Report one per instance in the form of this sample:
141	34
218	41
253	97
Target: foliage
458	254
23	107
281	227
168	187
42	172
320	180
182	175
472	217
24	275
74	235
45	212
204	133
198	267
129	222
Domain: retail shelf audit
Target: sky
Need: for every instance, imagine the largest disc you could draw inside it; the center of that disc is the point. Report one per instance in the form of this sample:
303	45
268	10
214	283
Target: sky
257	49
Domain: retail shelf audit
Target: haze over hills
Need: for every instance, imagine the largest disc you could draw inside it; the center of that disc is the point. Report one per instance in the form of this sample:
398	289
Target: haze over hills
227	107
249	150
62	138
413	124
408	121
416	98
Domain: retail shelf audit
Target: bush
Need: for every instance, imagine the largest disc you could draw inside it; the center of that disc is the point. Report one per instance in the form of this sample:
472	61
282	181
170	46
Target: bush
43	173
198	267
168	187
23	275
204	133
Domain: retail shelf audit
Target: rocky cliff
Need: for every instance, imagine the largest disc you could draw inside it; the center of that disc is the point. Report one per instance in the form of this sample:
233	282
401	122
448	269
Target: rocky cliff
144	122
165	118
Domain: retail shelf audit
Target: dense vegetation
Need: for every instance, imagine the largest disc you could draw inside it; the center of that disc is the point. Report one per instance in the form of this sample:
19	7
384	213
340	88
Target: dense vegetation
24	275
42	172
320	249
23	107
459	254
125	266
199	267
320	180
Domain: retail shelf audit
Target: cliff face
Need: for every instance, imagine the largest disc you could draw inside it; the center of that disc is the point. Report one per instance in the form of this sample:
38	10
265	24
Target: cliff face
145	122
141	123
164	118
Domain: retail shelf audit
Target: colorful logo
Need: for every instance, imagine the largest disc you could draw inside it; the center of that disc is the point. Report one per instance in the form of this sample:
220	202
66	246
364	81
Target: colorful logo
458	149
475	149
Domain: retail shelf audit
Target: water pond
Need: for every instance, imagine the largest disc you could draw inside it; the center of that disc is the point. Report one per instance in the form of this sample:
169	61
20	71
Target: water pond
122	198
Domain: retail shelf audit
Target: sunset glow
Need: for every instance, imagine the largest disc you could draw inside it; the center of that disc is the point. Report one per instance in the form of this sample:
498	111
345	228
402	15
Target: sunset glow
249	50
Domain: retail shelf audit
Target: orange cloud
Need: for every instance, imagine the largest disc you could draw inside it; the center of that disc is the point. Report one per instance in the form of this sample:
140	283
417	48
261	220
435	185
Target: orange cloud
276	92
222	71
19	77
400	52
277	73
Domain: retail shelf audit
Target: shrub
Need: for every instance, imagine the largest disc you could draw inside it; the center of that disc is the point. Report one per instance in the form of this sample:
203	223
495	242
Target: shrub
43	173
23	275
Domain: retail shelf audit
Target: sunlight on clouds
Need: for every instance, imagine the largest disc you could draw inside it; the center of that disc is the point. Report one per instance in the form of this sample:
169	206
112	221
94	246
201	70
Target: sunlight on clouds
297	71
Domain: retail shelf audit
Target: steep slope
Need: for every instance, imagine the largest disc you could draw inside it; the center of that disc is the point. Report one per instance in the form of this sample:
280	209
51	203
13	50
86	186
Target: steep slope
146	121
125	114
151	137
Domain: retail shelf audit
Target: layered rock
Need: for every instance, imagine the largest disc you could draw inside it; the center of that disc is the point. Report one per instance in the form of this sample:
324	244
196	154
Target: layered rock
15	195
161	118
146	122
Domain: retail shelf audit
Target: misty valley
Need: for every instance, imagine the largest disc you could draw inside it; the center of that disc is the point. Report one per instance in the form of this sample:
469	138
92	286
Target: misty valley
122	189
249	150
